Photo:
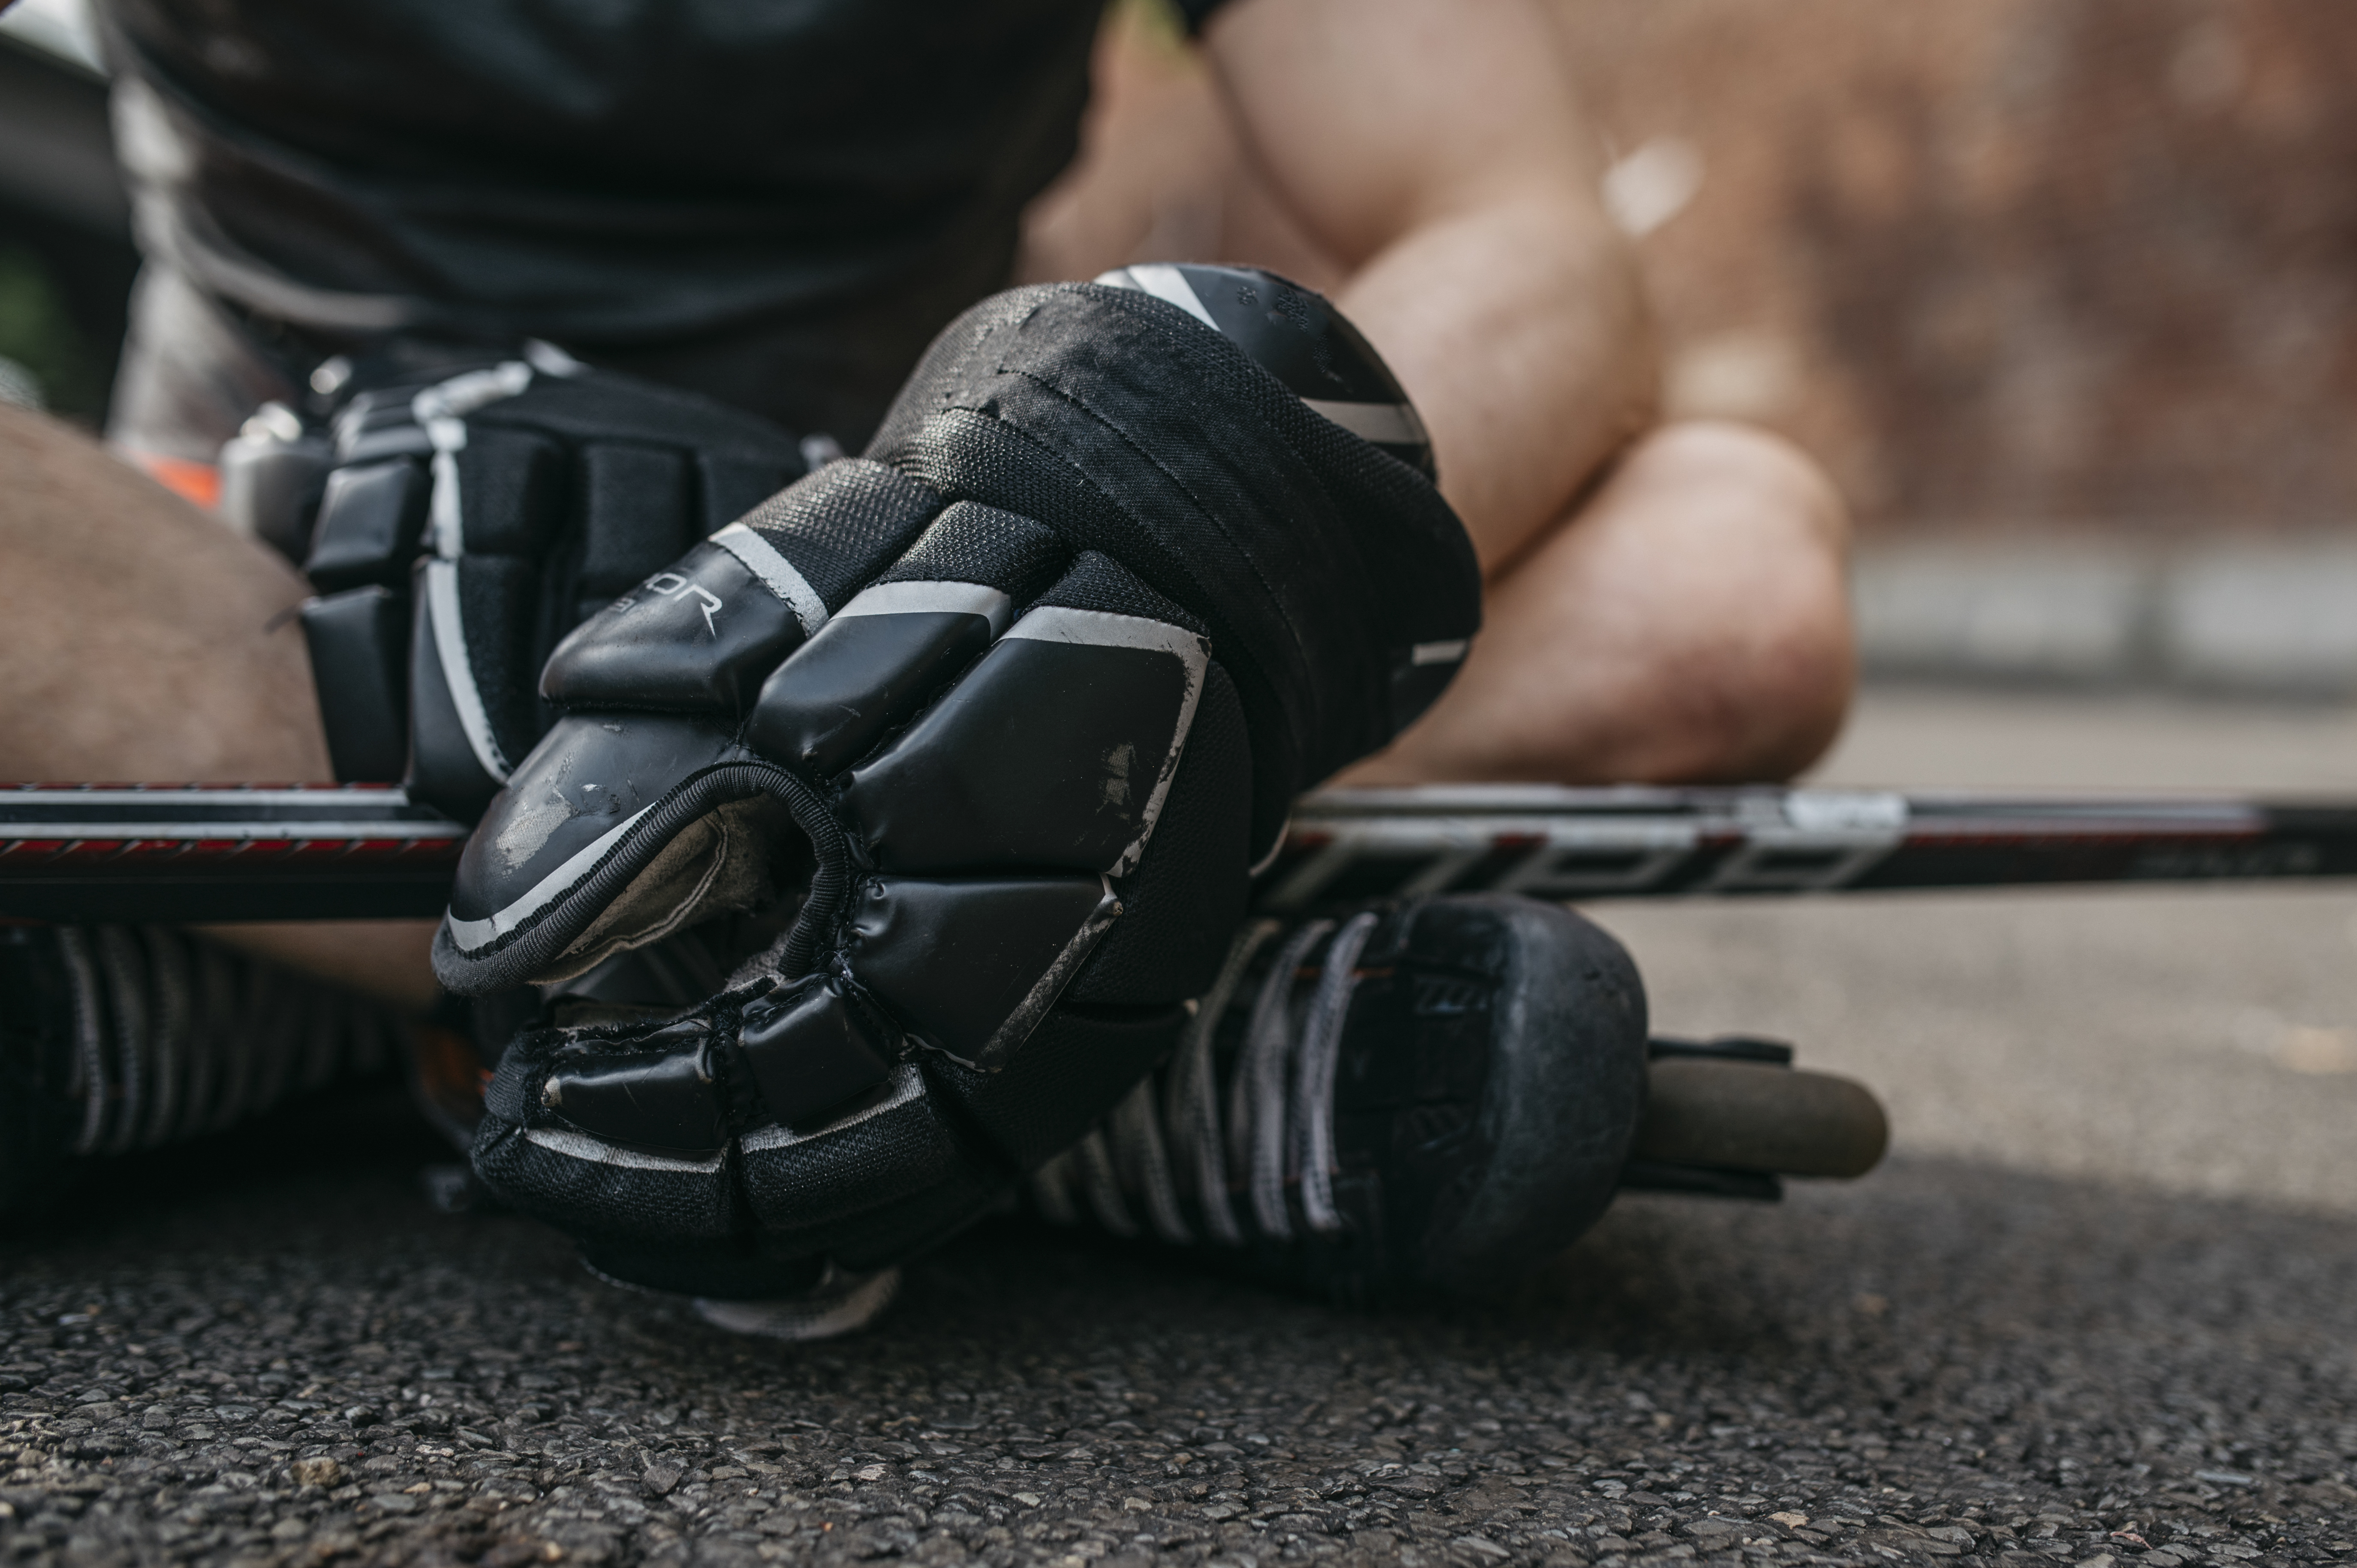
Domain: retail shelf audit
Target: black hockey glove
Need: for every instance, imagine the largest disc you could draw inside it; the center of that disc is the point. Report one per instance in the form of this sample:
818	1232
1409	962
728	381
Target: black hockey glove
1001	715
466	524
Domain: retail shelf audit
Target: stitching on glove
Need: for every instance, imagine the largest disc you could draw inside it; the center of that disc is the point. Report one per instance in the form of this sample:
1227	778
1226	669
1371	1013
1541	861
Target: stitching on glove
777	574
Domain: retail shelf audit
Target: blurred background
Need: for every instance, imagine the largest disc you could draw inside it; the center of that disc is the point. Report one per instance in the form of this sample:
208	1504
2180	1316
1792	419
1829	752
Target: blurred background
65	261
2059	289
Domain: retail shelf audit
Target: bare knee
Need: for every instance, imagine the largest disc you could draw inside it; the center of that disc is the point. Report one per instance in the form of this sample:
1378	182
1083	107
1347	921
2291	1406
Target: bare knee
1775	480
1689	624
1766	666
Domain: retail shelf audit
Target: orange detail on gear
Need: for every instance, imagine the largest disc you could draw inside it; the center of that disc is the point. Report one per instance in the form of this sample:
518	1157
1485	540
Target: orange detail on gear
198	482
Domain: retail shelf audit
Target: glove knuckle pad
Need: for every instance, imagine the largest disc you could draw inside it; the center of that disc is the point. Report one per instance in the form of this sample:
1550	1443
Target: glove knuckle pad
866	672
886	652
657	1102
809	1054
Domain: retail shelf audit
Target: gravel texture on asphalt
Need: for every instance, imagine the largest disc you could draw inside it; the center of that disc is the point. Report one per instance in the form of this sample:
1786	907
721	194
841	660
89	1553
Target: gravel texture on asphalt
249	1353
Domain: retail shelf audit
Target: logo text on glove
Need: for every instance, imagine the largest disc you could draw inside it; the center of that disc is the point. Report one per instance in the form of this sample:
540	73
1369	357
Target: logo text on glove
668	584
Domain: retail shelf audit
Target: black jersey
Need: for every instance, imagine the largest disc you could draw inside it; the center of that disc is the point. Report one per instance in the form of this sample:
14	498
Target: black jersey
779	199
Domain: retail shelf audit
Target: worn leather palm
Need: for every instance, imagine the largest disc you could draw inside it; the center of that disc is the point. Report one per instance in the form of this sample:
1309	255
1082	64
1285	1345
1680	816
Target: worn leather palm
987	726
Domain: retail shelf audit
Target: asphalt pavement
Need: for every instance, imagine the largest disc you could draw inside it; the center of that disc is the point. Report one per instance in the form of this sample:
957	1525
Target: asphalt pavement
2099	1307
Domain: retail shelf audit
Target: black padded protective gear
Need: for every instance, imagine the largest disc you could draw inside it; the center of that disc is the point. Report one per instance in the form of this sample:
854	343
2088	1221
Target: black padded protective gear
272	472
1439	1094
1001	712
1296	335
115	1039
467	521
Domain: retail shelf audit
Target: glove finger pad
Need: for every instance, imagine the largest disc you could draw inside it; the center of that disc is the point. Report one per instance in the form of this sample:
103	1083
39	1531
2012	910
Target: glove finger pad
638	512
868	670
697	637
876	1156
371	516
512	485
970	967
594	1189
1057	750
886	652
658	1102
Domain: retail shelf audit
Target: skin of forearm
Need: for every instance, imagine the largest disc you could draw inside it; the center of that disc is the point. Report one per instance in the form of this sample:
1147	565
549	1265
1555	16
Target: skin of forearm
140	639
1436	150
143	641
1520	335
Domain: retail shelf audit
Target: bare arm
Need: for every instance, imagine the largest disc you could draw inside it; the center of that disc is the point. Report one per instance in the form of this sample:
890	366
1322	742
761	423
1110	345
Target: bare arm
1436	148
141	640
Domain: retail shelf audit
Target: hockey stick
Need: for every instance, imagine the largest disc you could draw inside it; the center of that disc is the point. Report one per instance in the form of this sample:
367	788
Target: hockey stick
1561	844
183	853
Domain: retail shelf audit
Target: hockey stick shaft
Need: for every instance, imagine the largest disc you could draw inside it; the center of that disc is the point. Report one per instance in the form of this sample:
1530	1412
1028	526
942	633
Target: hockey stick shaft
193	854
196	853
1568	844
